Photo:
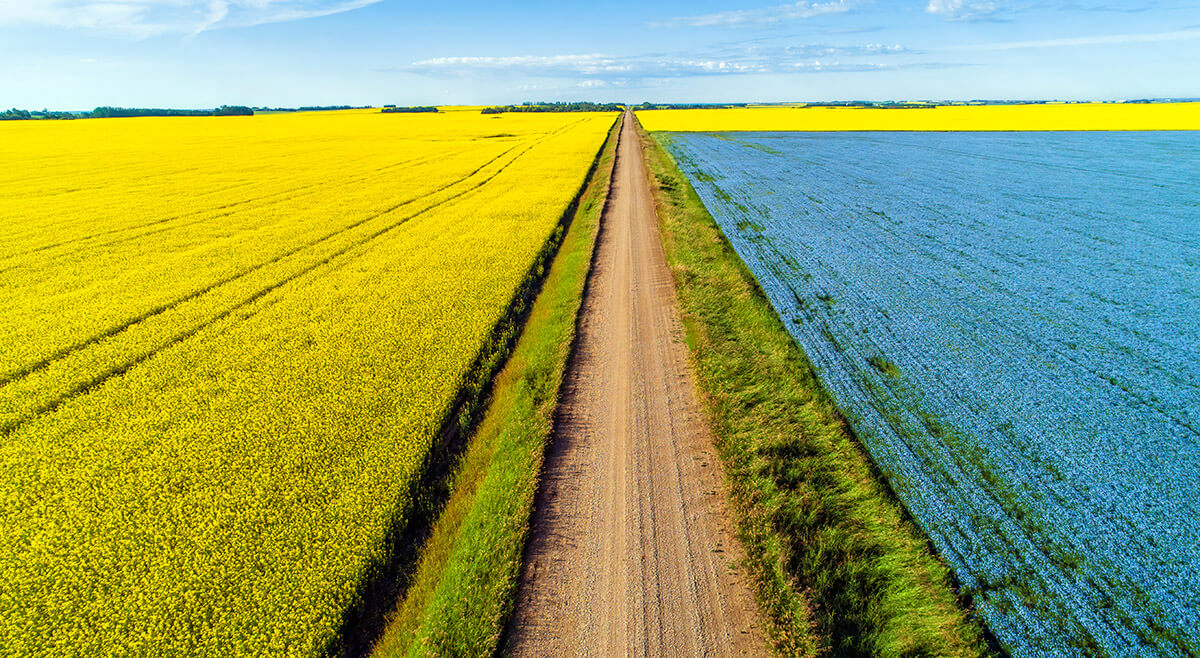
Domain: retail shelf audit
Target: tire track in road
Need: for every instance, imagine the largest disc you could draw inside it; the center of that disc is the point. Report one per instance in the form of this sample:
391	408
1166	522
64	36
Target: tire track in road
632	549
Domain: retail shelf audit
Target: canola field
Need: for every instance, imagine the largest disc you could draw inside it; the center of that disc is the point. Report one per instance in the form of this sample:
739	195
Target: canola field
1052	116
228	347
1009	322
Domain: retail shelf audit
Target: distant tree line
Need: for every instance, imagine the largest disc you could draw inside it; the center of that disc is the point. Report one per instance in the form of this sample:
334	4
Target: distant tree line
686	106
26	115
313	108
121	112
115	112
885	105
107	112
581	106
415	109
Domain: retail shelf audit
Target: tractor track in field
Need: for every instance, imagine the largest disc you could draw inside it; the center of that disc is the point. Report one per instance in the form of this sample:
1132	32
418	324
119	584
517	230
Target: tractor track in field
308	189
632	549
93	380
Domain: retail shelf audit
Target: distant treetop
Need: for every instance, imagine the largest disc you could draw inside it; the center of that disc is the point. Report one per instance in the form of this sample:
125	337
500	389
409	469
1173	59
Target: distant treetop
416	109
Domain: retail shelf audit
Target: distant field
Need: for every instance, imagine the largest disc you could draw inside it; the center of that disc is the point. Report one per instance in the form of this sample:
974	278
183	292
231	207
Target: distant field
1078	116
228	347
1009	322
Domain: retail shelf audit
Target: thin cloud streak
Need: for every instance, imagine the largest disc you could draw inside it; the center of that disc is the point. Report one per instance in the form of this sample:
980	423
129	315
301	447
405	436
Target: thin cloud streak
609	70
763	16
585	65
141	19
1002	10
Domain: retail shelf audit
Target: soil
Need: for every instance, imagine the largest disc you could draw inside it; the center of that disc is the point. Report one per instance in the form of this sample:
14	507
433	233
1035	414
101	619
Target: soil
632	550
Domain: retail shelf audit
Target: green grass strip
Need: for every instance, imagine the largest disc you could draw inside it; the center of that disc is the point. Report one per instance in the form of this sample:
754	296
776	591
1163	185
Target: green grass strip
465	584
840	568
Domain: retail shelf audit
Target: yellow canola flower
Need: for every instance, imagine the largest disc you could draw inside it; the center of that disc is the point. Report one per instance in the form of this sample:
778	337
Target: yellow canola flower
229	347
1049	116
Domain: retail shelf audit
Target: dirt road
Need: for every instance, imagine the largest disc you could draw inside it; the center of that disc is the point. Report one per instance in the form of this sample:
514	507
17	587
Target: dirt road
632	550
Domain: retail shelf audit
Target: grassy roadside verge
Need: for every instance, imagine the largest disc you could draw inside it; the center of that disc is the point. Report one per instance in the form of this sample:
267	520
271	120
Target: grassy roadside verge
839	568
463	590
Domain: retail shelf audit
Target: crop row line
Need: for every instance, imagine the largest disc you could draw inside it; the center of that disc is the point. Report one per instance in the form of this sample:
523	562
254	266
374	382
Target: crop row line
231	208
118	369
11	377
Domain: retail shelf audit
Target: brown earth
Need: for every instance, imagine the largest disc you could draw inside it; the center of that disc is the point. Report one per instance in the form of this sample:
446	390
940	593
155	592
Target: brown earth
632	551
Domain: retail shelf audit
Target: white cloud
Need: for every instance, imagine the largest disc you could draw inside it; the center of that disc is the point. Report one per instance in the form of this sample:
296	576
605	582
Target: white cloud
573	65
985	9
600	69
537	64
957	9
145	18
765	15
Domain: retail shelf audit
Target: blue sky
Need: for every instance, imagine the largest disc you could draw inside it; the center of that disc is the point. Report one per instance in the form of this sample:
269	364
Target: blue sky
78	54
